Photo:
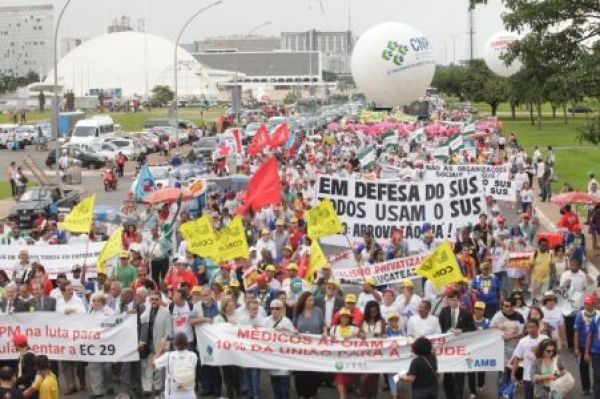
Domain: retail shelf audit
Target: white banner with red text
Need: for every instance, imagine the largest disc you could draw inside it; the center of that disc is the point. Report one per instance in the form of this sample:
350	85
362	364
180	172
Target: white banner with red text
55	258
227	344
389	272
74	337
382	207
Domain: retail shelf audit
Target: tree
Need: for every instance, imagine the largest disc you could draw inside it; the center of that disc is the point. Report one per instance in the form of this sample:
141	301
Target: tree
41	100
481	84
162	94
291	98
450	80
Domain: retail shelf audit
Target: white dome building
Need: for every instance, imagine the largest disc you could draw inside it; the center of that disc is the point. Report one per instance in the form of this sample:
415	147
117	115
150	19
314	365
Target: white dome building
130	64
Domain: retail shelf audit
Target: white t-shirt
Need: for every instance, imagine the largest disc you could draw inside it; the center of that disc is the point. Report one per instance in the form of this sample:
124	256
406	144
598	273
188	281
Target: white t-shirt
167	361
284	324
409	309
418	326
363	299
181	316
577	285
554	319
526	195
525	350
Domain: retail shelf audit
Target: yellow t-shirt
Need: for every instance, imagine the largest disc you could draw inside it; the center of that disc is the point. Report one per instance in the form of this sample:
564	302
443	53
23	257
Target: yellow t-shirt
540	272
47	387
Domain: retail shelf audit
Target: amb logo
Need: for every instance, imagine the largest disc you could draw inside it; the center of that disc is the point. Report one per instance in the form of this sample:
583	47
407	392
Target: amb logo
480	363
394	52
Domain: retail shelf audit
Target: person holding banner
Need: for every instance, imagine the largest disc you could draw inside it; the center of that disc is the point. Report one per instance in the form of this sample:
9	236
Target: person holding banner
231	374
344	330
100	373
308	319
280	379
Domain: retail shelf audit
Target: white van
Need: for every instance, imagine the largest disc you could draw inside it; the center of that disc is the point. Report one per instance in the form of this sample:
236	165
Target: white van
6	134
87	130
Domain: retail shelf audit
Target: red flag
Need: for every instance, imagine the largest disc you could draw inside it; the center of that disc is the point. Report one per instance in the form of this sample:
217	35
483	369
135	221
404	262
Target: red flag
260	140
264	188
281	136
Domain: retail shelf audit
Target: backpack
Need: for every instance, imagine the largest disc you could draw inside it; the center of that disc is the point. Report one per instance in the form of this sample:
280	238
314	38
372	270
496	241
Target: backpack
183	370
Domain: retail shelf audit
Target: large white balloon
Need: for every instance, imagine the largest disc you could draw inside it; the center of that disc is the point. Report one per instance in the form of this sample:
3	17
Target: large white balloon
393	64
495	50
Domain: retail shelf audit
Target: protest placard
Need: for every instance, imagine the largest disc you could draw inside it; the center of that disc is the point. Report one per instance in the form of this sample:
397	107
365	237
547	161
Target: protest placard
226	344
495	179
74	337
389	272
380	207
55	258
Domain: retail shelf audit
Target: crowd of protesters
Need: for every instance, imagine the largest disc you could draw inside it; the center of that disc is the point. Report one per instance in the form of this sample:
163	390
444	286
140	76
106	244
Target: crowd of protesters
172	291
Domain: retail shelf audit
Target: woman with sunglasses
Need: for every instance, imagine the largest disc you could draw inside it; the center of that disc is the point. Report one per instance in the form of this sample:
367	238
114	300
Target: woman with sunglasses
546	368
519	301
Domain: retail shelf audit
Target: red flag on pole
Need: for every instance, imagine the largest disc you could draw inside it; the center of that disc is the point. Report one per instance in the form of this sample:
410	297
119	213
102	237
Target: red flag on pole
264	188
281	136
260	140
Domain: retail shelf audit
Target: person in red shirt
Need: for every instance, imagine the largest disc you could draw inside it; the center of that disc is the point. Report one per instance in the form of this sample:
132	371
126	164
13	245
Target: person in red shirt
568	219
120	161
350	305
180	273
296	233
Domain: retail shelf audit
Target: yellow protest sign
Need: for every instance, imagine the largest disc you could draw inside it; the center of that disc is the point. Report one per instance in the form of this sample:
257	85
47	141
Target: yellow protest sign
79	220
200	237
322	220
111	249
231	241
441	266
316	261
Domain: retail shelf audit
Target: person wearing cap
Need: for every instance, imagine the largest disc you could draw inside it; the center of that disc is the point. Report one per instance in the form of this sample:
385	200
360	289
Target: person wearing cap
528	229
486	288
265	242
583	320
124	272
270	272
553	317
368	293
280	379
179	273
399	247
407	302
296	233
263	293
25	362
577	284
349	305
541	263
344	329
423	323
331	302
294	285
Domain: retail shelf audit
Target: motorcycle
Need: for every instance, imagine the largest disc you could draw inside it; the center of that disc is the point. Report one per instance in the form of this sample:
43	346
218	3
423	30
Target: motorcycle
109	178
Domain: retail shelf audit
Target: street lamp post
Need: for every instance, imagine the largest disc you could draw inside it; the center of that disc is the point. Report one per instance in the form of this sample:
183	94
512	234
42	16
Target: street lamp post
250	32
190	19
55	97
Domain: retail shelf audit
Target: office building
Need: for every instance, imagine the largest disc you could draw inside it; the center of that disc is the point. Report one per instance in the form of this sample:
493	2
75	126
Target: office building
241	43
26	34
335	47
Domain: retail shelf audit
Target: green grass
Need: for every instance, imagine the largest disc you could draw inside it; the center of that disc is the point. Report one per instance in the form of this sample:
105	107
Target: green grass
5	189
131	122
573	163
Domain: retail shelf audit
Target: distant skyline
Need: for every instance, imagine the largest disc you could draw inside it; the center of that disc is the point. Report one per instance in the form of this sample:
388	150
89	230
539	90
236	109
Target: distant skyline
444	22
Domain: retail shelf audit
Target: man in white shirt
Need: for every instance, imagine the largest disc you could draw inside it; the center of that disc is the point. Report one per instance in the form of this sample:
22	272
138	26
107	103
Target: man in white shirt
368	294
265	242
525	352
331	302
22	268
176	362
68	303
423	323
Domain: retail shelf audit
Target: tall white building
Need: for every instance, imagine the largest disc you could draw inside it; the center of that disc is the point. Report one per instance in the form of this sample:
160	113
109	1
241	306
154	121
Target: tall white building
26	40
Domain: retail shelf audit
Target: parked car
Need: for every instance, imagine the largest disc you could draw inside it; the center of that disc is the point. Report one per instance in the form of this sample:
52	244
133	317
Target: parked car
88	159
26	133
36	201
580	109
205	146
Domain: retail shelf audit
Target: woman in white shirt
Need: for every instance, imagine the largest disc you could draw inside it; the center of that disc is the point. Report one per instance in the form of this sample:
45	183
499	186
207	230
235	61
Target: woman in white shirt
526	196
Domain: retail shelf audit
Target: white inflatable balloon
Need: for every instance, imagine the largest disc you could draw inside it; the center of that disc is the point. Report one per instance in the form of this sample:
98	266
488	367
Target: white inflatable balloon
393	64
495	50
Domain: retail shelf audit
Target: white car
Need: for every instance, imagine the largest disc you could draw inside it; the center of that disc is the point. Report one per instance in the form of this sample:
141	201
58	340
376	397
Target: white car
106	150
160	173
26	133
127	146
6	134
